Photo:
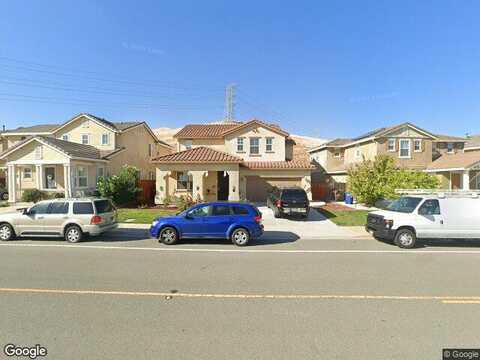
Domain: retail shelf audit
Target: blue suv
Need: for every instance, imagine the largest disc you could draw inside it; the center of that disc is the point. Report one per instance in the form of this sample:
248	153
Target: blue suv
238	222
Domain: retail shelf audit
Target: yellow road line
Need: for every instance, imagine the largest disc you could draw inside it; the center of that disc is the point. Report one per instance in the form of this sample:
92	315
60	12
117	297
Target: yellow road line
446	299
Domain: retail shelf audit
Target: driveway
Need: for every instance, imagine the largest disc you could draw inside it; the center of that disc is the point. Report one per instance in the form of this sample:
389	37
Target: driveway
315	226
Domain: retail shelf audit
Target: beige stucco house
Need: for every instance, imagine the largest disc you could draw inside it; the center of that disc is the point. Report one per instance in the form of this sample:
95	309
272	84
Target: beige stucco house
230	161
410	146
69	158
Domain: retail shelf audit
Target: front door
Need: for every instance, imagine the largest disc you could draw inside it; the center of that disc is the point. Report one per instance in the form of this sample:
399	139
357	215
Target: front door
456	181
50	181
223	183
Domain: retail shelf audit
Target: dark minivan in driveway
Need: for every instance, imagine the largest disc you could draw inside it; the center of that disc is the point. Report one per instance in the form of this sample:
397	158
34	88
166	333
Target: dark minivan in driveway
288	201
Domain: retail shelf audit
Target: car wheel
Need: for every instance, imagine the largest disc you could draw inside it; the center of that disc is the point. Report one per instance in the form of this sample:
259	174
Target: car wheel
240	237
5	196
405	238
6	232
73	234
168	236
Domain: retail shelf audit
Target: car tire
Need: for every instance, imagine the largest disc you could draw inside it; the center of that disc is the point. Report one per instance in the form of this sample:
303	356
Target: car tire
240	237
73	234
405	239
6	232
168	236
5	196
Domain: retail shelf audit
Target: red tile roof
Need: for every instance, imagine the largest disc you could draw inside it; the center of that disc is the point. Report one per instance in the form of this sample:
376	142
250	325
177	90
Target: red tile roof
218	131
199	154
278	165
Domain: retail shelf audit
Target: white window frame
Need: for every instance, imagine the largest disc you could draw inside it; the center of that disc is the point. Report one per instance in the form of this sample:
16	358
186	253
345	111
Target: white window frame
65	137
256	146
358	152
188	182
453	148
78	177
240	144
267	145
39	152
108	139
188	144
419	142
394	145
27	170
409	141
88	139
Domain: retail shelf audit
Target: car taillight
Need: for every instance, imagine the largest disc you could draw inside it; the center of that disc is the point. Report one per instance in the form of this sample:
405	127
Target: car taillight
278	203
258	219
96	220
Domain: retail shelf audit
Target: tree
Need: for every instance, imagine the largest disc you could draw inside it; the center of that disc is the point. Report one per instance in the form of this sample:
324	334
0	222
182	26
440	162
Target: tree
370	181
122	188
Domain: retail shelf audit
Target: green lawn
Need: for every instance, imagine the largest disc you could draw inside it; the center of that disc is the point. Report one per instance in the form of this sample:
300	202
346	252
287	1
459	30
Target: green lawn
346	218
142	216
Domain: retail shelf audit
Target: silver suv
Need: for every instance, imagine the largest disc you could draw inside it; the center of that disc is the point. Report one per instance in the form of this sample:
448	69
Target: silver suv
69	218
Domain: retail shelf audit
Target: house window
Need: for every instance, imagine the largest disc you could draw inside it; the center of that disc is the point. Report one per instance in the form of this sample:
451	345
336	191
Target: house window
81	178
240	147
184	182
85	139
188	144
39	152
65	137
269	144
254	146
404	148
391	145
100	173
105	139
450	148
358	152
27	173
417	145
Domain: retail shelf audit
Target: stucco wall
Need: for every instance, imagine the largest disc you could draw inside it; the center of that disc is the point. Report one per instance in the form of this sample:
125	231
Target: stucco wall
217	144
368	151
418	160
27	153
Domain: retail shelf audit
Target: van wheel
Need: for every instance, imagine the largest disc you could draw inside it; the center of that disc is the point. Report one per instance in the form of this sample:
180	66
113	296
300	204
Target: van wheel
168	236
73	234
6	232
405	238
240	237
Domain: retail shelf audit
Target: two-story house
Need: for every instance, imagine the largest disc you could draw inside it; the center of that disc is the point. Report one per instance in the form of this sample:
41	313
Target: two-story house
70	157
230	161
410	146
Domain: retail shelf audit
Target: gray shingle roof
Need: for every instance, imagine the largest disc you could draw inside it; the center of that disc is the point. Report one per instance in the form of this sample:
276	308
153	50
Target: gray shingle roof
31	130
73	149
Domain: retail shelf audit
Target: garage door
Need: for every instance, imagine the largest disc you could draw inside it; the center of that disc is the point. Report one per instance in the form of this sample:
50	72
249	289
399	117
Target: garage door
258	188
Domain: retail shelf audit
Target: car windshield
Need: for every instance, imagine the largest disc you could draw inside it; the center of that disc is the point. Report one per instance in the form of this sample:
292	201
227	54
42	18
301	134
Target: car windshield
404	204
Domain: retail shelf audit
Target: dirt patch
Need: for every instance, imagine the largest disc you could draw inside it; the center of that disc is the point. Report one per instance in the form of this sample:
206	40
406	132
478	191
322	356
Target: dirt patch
336	207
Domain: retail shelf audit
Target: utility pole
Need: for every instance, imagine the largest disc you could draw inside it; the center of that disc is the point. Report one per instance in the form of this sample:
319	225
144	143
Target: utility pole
230	103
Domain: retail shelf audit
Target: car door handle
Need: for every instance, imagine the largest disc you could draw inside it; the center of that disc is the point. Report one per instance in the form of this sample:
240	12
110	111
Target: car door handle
40	217
441	222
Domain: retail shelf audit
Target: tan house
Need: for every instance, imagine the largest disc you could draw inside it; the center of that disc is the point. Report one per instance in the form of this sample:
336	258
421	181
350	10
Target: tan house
410	146
69	158
230	161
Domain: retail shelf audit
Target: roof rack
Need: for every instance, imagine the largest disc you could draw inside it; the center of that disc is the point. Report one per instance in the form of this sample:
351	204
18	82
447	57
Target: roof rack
440	193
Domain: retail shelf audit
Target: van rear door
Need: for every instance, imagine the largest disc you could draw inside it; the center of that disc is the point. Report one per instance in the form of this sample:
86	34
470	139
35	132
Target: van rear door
429	221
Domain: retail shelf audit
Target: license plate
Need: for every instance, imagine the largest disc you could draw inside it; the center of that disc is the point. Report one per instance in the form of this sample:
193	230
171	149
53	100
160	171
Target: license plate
297	210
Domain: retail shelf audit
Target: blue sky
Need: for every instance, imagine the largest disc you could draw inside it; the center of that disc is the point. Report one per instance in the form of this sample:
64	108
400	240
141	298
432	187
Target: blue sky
319	68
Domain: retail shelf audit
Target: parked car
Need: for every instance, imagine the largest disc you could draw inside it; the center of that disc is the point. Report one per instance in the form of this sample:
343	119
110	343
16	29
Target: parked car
288	201
448	216
3	194
69	218
239	222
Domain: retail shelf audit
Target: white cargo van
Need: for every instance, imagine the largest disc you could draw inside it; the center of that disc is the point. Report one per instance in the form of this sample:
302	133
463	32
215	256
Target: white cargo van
434	215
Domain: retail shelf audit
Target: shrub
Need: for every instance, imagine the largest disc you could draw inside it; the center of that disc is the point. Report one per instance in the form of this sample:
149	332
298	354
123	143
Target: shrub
371	181
34	195
183	202
122	188
59	195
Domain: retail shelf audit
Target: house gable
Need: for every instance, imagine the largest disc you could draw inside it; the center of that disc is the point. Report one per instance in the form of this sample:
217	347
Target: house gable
27	152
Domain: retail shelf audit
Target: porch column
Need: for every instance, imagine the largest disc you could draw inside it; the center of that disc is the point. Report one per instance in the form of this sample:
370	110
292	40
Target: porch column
197	183
161	184
306	184
39	172
466	180
67	180
233	185
12	184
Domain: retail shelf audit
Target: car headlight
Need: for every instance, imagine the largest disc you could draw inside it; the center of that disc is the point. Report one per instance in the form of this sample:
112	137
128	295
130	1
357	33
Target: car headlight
155	222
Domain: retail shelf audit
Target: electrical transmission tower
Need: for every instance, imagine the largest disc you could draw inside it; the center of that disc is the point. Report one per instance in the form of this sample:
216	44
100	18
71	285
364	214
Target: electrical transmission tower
230	103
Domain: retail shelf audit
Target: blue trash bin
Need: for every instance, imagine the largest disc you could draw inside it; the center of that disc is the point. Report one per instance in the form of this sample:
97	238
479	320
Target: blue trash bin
348	198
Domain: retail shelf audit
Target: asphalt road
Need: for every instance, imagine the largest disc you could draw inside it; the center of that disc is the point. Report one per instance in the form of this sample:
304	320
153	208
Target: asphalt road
126	297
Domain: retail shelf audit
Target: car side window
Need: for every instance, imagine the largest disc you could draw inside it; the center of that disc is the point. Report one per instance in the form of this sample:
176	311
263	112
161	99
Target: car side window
58	208
240	210
83	208
200	211
430	207
221	210
39	209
